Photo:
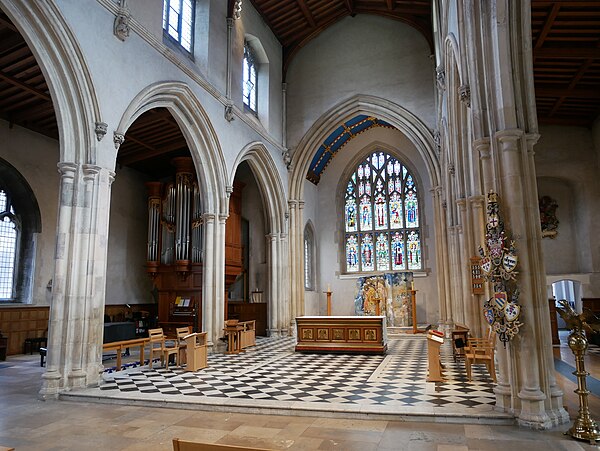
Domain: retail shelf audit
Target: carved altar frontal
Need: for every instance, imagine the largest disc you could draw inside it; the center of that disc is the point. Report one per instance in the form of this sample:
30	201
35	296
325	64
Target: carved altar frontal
357	334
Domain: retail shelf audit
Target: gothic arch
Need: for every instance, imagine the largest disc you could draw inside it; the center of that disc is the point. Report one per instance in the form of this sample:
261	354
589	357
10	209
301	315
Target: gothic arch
270	184
405	121
199	134
70	83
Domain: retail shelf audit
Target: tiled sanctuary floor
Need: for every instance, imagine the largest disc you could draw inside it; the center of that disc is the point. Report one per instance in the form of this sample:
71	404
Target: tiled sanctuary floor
29	424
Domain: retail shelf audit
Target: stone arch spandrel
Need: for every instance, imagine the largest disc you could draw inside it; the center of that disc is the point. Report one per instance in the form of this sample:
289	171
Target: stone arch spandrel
62	62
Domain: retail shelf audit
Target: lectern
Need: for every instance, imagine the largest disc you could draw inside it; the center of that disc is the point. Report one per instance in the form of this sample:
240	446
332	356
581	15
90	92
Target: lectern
435	339
196	350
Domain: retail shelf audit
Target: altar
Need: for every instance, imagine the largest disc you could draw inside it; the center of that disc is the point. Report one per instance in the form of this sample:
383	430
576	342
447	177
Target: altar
356	334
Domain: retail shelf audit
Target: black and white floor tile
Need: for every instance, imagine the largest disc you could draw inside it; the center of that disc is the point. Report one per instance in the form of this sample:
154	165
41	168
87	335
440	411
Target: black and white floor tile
273	371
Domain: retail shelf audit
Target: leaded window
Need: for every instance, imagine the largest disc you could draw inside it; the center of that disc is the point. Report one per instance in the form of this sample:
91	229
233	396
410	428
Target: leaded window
178	21
308	258
9	232
250	79
381	217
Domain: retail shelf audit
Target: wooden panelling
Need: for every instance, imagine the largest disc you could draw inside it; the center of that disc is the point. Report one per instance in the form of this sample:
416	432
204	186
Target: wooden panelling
247	311
19	323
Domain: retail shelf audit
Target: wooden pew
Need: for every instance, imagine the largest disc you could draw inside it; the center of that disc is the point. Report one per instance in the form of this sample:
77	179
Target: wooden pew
119	346
185	445
248	333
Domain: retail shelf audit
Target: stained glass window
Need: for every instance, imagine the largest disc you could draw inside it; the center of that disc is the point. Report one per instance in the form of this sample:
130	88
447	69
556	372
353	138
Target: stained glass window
381	217
249	82
178	21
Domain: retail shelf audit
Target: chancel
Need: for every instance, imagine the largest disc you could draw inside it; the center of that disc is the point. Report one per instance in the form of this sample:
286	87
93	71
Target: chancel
295	197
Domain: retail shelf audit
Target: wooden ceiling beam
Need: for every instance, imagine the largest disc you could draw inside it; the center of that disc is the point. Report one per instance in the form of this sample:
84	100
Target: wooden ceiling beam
307	14
546	29
572	93
13	81
138	156
567	52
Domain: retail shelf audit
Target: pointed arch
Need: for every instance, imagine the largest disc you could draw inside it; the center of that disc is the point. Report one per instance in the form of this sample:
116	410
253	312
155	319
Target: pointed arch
197	129
409	124
62	62
269	182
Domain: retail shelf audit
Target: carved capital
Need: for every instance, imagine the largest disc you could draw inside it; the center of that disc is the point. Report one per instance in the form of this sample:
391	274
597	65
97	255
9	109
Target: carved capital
100	129
121	25
209	218
118	139
237	9
440	76
437	139
223	218
90	171
67	169
229	190
287	159
464	91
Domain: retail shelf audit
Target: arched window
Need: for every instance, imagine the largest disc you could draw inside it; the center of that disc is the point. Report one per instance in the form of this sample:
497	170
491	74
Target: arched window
308	258
9	235
381	217
178	21
250	78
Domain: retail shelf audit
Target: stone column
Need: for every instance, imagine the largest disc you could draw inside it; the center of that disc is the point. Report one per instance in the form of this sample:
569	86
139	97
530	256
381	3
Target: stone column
273	285
77	308
292	205
208	287
441	247
284	285
529	373
219	279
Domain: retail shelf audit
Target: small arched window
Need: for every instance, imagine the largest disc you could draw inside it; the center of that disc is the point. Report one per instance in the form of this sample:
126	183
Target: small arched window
250	78
381	217
9	236
308	258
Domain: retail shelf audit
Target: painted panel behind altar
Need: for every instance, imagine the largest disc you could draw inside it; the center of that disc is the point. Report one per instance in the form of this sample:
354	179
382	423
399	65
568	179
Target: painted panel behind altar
388	294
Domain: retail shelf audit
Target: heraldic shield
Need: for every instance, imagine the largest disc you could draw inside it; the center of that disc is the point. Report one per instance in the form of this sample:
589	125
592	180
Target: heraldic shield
509	262
486	265
500	300
511	311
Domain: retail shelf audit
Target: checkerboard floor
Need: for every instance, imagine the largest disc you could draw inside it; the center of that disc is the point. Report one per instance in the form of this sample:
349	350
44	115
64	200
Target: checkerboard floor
271	370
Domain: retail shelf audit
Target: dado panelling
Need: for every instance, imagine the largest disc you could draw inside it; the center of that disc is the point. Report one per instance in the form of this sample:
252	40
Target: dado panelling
20	323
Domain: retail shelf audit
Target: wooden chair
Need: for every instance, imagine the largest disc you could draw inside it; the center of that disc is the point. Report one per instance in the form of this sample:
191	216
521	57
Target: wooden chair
481	350
158	346
182	332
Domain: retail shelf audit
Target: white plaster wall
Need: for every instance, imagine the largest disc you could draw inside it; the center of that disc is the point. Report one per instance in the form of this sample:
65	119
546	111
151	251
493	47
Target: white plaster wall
561	253
35	156
364	54
127	281
568	153
121	70
315	302
329	224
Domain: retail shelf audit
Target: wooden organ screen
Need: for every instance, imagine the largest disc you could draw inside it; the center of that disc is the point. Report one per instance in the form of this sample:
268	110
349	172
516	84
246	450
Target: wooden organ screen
174	254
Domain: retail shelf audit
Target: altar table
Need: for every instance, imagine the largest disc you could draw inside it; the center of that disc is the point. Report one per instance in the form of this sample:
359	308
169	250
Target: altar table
355	334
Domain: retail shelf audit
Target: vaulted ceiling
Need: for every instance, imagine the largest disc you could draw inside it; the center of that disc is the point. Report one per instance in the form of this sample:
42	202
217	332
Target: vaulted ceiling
566	64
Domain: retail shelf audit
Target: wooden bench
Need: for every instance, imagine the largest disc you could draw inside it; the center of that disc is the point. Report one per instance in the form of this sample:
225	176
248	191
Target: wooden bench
248	333
124	344
185	445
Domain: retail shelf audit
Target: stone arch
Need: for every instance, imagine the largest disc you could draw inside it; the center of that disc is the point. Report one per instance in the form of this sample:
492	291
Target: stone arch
199	134
69	80
409	124
270	184
273	196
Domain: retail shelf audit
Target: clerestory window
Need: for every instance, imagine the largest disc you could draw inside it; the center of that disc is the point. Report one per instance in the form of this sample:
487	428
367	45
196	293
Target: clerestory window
381	217
178	21
250	78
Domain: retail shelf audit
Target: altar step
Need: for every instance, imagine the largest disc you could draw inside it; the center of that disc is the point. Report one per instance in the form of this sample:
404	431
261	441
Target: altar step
394	332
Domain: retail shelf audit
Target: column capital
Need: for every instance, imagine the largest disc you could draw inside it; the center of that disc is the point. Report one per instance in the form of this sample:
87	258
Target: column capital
272	236
67	169
300	204
209	217
462	202
90	171
118	139
482	146
509	135
477	201
223	218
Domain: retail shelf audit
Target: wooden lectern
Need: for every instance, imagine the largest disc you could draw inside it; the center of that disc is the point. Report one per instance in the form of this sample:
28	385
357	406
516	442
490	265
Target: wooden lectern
196	350
435	339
